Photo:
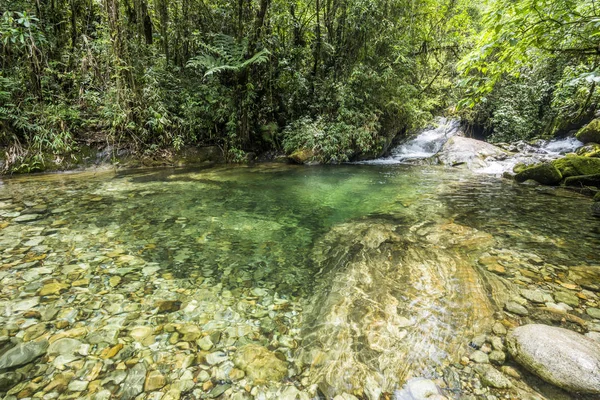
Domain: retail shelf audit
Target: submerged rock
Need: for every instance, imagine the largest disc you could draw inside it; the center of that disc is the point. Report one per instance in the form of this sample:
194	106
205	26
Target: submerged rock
260	364
22	354
392	305
559	356
418	389
546	174
590	133
469	152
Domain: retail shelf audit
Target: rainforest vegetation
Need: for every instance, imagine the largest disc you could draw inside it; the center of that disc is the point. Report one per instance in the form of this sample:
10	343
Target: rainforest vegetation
338	79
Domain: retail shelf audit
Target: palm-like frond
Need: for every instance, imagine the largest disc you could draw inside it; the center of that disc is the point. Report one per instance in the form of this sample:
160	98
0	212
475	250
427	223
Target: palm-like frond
226	54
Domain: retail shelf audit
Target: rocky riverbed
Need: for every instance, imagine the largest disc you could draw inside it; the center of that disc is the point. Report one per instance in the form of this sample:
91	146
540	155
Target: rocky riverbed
186	285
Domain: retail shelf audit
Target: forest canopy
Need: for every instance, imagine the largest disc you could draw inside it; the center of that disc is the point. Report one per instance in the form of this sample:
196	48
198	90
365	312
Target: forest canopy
338	78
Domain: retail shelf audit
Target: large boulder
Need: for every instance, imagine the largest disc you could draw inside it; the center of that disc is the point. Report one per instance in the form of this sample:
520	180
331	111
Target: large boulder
545	173
381	291
468	152
590	133
577	165
559	356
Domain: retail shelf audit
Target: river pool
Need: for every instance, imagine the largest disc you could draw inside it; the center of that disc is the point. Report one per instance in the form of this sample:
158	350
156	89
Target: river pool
232	282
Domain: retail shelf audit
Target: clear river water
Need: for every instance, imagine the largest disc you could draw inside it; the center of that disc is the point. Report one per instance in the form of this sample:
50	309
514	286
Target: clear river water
161	281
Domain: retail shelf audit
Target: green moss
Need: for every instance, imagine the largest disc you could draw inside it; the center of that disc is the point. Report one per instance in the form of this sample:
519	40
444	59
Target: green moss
519	167
302	156
589	150
577	165
546	174
597	197
590	133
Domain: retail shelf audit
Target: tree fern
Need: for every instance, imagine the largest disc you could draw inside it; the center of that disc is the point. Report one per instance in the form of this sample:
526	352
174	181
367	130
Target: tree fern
226	54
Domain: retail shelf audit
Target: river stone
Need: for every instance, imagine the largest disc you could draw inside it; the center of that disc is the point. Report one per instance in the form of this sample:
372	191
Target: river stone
9	379
53	288
216	357
490	376
559	356
27	218
134	383
107	334
479	357
64	347
567	298
497	357
545	173
587	276
593	312
516	308
154	381
139	333
22	354
260	364
535	296
418	389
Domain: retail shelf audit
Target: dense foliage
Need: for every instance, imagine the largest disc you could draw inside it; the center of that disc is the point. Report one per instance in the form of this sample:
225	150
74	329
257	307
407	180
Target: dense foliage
337	78
535	69
245	75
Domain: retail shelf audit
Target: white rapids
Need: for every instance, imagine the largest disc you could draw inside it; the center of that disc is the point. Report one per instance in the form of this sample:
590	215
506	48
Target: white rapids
425	145
428	143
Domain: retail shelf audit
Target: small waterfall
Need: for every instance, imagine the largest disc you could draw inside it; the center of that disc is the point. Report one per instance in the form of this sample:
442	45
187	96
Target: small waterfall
529	154
562	146
424	145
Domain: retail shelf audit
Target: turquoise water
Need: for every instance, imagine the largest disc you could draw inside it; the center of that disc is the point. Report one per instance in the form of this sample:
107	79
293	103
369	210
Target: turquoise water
259	223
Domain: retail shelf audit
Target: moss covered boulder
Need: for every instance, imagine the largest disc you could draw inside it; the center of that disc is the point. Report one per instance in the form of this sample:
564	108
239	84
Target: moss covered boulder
302	156
577	165
589	150
546	174
590	133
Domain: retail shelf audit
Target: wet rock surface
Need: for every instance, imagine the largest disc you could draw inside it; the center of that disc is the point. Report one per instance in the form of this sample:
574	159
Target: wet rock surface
458	151
389	312
559	356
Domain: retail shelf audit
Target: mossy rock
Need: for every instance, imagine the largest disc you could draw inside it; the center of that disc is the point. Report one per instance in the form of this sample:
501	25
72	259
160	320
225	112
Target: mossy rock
583	180
589	150
519	167
302	156
590	133
577	165
597	197
546	174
